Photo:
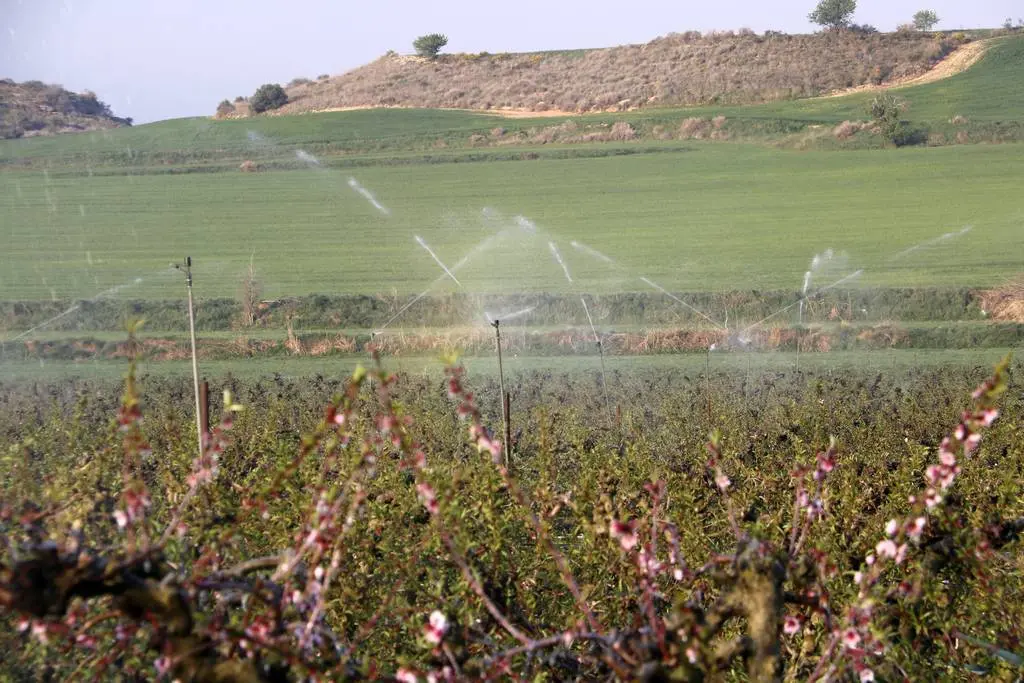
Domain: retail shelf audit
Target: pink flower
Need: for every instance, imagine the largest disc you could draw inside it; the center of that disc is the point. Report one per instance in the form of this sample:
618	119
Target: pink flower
869	560
946	457
649	563
405	676
436	627
851	638
989	416
429	498
901	553
891	527
624	532
691	655
866	675
858	577
971	442
932	498
916	527
722	482
886	548
826	462
790	625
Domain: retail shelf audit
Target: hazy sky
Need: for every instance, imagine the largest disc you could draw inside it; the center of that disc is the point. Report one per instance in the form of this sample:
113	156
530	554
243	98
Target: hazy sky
157	59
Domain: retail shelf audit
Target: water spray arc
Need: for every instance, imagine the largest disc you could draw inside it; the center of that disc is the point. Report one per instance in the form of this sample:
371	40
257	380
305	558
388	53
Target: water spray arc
423	243
483	245
186	267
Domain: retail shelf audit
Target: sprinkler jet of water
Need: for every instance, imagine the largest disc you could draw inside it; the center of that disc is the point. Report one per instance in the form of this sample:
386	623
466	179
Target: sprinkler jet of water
837	283
75	307
368	196
594	253
927	243
558	257
481	246
423	243
675	298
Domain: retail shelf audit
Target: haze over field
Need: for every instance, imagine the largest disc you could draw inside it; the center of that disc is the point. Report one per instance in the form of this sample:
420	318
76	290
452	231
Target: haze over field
158	60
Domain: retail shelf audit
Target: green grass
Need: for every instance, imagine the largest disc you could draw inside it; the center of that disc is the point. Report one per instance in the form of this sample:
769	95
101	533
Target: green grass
25	371
717	217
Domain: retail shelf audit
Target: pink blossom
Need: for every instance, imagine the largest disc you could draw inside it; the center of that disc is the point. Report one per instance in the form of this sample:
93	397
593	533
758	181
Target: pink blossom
916	527
901	553
436	627
405	676
722	482
932	498
851	638
971	442
624	532
790	625
429	498
691	655
989	416
869	560
946	457
891	527
886	548
866	675
858	577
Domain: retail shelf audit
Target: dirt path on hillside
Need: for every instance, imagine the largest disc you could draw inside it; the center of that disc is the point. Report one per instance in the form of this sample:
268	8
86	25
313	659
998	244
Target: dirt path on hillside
957	61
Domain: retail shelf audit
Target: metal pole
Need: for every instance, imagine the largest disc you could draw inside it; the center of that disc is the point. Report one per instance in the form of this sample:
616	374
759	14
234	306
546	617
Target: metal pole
195	364
504	404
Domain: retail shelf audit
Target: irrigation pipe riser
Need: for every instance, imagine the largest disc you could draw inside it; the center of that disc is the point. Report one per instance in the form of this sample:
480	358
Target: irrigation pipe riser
505	407
187	268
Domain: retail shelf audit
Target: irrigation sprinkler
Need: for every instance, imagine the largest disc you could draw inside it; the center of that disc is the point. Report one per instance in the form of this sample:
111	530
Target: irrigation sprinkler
505	399
186	267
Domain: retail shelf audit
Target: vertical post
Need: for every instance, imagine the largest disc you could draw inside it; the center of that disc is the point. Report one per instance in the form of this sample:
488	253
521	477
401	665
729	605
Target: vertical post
707	382
506	404
501	385
204	406
187	267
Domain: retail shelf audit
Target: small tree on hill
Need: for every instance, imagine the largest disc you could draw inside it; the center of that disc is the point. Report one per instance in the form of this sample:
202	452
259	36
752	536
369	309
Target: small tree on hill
267	97
925	20
833	14
430	44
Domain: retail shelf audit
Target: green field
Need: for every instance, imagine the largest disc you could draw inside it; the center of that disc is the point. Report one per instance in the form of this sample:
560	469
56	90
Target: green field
101	215
714	217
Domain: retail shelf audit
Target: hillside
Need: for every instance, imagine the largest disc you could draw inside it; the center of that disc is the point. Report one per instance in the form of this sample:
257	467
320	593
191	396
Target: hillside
35	108
676	70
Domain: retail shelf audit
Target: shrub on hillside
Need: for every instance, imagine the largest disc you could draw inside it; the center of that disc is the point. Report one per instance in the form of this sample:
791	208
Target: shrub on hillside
430	45
885	110
267	97
833	14
225	108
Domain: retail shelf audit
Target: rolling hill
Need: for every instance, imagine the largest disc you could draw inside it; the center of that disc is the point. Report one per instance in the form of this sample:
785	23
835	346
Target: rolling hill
35	108
676	70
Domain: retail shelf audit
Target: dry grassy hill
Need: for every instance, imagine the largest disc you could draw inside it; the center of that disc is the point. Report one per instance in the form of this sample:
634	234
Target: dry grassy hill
35	108
679	69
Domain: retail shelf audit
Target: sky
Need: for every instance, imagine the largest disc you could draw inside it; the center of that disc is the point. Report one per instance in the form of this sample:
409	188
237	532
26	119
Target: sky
159	59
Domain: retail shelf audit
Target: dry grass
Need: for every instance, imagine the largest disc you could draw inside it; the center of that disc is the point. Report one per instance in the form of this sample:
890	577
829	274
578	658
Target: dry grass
677	69
1005	302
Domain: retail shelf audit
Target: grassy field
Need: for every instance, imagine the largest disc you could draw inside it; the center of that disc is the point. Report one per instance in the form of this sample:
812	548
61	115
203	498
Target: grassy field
17	372
715	217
